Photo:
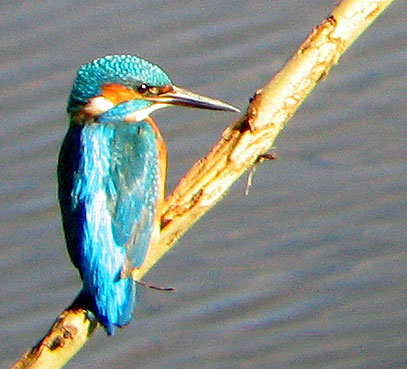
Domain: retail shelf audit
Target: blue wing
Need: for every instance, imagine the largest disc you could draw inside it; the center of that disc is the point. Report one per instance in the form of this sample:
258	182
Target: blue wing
132	189
108	192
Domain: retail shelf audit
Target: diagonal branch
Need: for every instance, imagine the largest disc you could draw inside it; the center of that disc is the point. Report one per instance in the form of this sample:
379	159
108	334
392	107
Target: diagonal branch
269	111
238	149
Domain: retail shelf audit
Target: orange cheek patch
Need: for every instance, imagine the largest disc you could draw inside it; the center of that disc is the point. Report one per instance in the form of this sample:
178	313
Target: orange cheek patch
117	93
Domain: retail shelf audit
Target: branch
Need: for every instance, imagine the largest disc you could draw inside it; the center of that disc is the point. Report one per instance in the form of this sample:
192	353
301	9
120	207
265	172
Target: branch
238	149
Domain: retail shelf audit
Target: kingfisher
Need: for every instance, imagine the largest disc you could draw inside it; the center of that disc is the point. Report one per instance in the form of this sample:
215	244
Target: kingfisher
111	177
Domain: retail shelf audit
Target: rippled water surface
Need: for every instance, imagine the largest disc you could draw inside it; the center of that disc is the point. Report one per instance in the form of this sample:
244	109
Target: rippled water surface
308	271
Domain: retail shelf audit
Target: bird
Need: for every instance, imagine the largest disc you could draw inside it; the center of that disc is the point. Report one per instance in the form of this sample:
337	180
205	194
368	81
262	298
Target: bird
111	173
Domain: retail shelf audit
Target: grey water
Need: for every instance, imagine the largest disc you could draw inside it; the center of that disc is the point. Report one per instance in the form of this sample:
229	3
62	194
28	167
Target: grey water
308	271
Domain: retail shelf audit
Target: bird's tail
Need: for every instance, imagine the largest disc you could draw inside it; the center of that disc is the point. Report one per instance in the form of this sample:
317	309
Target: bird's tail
112	306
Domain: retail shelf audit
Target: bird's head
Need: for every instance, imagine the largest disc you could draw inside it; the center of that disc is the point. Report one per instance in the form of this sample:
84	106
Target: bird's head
127	88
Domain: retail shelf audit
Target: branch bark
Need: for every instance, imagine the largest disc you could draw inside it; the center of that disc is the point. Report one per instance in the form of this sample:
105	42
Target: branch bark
237	150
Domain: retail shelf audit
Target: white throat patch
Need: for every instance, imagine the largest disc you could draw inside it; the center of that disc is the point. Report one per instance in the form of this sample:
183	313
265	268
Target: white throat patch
139	115
99	105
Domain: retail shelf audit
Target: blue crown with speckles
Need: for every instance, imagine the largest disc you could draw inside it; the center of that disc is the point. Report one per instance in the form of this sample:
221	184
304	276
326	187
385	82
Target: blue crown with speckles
128	70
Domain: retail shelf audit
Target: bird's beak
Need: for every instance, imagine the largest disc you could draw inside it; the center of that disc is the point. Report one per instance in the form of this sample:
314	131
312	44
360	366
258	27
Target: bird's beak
173	95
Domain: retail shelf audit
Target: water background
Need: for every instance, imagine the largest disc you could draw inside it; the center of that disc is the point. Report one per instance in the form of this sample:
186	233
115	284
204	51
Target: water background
308	271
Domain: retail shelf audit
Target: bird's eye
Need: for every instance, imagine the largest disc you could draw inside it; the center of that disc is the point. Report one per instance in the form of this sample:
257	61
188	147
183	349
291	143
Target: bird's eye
147	90
142	89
